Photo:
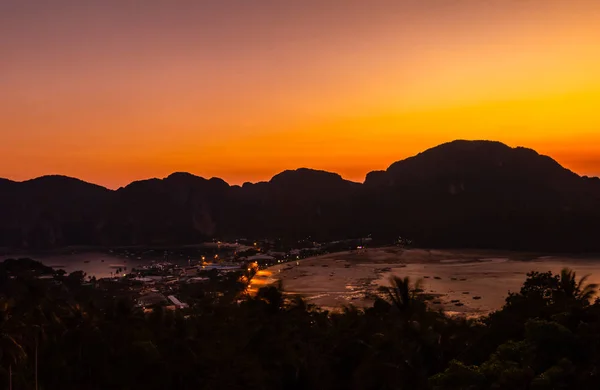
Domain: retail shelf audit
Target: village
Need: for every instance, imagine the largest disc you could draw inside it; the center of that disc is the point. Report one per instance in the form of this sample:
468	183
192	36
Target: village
214	272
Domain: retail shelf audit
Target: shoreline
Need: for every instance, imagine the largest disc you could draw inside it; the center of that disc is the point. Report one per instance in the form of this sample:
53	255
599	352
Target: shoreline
470	282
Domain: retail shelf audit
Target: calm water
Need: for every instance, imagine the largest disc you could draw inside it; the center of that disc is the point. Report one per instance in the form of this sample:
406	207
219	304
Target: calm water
100	265
452	278
490	279
474	282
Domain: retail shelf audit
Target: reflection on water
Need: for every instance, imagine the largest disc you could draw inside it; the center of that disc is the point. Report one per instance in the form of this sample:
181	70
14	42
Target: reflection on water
100	265
482	286
470	281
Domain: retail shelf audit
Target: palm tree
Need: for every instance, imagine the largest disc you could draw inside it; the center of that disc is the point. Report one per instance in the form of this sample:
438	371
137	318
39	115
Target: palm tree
401	293
578	290
273	296
11	351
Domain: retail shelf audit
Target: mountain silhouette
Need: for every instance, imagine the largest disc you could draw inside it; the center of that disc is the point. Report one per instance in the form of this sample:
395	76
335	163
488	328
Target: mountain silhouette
481	193
460	194
50	211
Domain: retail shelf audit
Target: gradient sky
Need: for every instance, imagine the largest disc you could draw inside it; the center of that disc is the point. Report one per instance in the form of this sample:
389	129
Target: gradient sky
115	91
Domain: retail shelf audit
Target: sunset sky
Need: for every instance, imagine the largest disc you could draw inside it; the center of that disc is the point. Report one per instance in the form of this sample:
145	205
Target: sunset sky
115	91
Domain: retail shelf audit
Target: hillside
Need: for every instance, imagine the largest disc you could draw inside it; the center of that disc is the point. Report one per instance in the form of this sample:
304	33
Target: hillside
50	211
486	194
463	193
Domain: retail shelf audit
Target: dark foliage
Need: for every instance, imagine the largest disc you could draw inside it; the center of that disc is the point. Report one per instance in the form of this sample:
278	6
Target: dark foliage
461	194
545	337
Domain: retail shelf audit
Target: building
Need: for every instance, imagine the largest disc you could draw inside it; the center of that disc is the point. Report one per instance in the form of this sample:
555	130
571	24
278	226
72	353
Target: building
189	271
151	299
177	302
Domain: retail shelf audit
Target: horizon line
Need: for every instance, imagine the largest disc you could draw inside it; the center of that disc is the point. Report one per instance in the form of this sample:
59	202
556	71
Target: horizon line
597	176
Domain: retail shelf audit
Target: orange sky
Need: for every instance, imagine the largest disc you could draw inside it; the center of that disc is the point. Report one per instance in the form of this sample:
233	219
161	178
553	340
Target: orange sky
110	91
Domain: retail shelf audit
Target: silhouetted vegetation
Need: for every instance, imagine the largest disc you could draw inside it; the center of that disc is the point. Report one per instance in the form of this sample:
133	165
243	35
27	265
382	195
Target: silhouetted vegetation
462	194
547	336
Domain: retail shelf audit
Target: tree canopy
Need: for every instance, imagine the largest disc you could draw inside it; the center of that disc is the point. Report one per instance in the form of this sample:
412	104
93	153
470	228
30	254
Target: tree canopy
547	336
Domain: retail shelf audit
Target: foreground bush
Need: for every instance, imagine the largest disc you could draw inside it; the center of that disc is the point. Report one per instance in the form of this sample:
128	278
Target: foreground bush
547	336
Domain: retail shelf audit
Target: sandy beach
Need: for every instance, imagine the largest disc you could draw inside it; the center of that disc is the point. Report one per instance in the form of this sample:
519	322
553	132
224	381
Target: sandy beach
471	282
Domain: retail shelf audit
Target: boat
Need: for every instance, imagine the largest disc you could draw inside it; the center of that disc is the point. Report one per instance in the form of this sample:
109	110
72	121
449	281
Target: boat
86	261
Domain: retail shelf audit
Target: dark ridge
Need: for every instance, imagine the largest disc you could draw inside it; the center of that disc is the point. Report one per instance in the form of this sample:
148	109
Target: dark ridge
5	184
478	194
182	175
305	174
59	180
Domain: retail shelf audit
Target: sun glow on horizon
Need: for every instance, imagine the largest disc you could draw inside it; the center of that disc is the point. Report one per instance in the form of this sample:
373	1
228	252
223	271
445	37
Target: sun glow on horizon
243	93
